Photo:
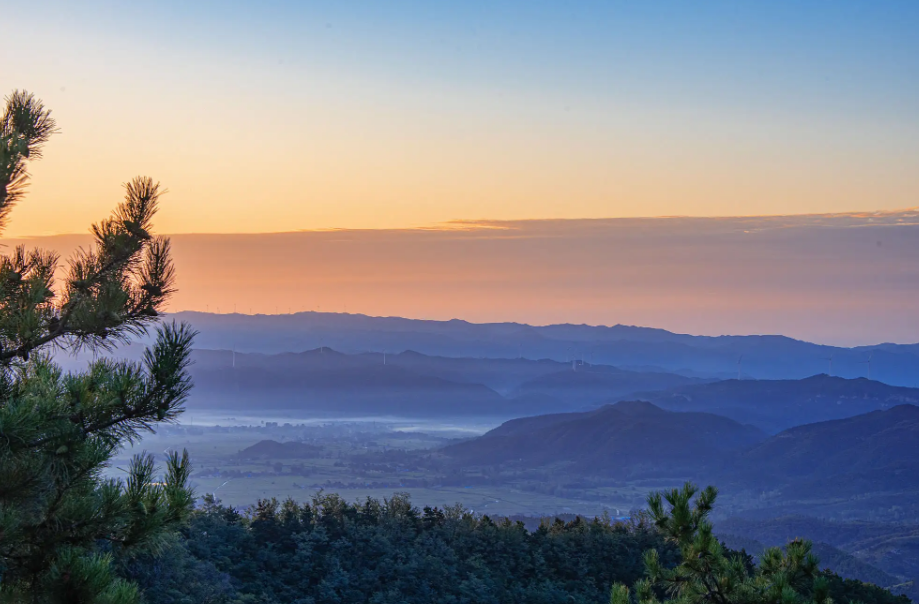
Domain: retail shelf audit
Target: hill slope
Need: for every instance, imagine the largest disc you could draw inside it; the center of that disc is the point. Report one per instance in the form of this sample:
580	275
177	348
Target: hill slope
874	452
625	439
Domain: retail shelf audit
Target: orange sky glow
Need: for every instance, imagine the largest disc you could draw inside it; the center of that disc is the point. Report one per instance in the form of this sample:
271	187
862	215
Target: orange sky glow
844	278
493	161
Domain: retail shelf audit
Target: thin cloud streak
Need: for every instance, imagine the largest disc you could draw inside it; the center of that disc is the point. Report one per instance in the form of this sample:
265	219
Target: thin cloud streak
836	278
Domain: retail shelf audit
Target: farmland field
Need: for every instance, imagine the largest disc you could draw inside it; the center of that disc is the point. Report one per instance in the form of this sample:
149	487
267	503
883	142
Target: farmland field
354	459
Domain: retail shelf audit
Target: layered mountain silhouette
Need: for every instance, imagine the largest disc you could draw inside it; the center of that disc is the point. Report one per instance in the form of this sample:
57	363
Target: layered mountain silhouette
406	384
586	385
758	356
333	383
326	381
774	405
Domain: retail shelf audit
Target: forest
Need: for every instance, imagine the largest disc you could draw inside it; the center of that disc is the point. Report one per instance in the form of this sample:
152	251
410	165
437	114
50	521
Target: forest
385	552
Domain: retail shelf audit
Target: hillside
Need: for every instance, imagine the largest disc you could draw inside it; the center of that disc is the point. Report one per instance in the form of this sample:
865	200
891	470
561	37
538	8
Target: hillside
877	452
774	405
866	466
624	439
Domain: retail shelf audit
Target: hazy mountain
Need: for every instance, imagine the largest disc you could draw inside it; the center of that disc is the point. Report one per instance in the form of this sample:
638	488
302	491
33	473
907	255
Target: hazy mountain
876	441
628	438
764	357
591	385
774	405
868	464
329	382
408	383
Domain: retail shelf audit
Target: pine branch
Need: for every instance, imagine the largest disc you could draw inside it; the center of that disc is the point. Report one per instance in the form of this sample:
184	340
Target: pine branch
113	291
167	388
25	127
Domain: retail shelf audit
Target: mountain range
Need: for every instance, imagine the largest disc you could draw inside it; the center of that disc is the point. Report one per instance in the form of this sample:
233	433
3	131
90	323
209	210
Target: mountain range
775	405
327	382
407	384
627	347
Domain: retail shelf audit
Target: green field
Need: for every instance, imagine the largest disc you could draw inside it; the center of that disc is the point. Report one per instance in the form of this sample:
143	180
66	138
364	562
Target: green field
241	482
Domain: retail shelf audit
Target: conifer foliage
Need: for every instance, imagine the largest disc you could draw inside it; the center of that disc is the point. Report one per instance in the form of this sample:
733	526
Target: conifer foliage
60	521
707	573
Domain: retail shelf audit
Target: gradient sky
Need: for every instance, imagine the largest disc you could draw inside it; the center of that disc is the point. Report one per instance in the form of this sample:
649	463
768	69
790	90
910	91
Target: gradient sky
841	279
358	123
279	116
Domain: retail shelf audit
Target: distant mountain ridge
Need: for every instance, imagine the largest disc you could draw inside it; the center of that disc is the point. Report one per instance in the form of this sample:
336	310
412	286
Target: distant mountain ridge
775	405
756	356
325	381
410	383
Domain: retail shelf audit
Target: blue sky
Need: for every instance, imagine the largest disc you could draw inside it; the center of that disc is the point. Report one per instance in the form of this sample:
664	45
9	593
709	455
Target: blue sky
397	114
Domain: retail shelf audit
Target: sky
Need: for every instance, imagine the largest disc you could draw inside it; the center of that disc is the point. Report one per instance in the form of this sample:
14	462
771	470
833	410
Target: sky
844	279
281	116
496	160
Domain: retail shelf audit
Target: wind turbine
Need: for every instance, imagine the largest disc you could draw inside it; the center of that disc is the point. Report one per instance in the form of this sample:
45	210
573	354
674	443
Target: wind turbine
739	365
830	359
868	362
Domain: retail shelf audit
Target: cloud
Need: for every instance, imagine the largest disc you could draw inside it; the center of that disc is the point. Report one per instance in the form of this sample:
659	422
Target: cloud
842	278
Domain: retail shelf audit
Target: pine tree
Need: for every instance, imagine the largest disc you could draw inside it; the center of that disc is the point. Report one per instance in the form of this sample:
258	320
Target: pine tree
60	520
707	574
